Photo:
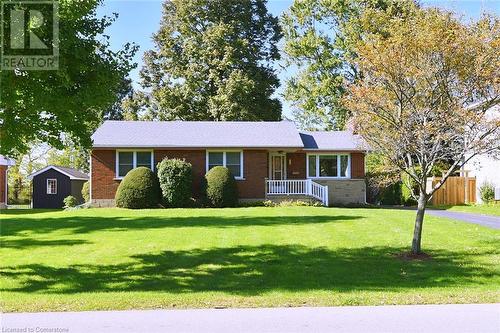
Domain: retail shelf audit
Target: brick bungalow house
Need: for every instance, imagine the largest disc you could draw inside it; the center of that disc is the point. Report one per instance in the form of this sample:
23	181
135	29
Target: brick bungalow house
268	159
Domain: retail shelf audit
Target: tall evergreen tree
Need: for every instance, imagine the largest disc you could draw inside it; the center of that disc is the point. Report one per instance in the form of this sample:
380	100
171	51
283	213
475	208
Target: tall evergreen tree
213	61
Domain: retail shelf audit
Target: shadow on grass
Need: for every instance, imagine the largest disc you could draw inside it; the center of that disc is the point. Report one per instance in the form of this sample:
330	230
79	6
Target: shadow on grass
86	224
252	270
31	242
28	211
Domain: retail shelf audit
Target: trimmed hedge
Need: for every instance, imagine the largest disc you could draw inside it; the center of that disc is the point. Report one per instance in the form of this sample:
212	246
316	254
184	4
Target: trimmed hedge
176	182
86	191
138	189
220	188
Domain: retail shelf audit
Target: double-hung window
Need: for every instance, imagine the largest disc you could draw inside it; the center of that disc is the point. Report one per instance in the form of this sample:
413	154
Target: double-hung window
127	160
233	160
51	186
328	166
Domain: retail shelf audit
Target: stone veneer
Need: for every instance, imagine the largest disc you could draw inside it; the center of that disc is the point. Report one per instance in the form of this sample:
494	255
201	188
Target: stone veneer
344	191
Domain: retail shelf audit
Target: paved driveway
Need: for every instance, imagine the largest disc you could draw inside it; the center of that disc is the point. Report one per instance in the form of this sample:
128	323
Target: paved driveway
484	220
483	318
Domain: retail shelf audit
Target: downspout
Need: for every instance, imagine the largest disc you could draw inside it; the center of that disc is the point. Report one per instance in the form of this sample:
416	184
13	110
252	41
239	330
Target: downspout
6	199
90	178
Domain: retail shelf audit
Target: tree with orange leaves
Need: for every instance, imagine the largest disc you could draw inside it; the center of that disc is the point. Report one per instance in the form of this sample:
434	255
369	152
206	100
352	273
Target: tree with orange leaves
428	95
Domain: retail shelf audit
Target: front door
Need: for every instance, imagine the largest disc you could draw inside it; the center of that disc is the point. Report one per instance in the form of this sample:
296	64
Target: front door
277	166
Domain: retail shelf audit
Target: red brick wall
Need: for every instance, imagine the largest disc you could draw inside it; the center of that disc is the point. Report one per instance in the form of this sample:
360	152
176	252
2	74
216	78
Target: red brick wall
357	165
3	179
103	173
255	171
195	157
296	165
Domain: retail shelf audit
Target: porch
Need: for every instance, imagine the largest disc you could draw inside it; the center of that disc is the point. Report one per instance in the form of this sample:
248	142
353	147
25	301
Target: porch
297	188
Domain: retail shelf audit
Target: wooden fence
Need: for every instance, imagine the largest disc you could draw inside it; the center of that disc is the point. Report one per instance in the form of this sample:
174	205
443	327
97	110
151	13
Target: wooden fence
454	190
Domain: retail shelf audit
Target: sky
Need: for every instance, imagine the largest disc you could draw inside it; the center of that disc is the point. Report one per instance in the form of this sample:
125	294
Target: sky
139	19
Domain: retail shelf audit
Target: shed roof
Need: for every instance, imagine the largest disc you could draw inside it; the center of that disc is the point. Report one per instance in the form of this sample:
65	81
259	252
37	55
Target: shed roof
73	174
197	134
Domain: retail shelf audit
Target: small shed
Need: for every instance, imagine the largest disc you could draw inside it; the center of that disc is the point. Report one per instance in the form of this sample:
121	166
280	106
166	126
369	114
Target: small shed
54	183
5	163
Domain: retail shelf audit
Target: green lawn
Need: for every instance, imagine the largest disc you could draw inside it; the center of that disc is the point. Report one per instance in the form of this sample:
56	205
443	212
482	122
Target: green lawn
244	257
491	209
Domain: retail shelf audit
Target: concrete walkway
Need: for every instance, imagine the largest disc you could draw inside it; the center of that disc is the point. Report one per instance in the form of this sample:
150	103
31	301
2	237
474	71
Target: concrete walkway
484	220
410	318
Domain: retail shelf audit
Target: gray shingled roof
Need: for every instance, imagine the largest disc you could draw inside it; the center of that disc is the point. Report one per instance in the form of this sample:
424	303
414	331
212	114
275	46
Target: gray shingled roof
332	140
70	172
196	134
6	161
73	172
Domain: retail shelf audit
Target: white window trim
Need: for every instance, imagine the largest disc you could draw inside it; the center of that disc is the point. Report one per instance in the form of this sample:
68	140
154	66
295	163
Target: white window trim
224	151
348	173
55	180
134	159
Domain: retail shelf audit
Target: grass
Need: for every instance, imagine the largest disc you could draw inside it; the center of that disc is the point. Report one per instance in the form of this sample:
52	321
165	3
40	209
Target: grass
485	209
100	259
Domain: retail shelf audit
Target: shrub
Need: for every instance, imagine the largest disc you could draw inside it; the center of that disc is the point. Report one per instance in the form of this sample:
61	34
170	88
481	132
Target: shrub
138	189
487	192
86	191
176	182
406	197
220	188
70	201
292	203
391	195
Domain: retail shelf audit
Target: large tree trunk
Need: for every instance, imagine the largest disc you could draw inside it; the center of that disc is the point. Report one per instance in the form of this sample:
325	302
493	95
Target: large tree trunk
419	221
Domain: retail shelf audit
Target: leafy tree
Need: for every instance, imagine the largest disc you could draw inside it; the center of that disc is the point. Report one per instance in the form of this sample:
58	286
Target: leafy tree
26	164
319	40
116	110
40	105
212	61
72	156
427	100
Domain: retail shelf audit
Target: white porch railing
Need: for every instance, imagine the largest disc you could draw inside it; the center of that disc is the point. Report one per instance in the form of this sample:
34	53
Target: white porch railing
298	187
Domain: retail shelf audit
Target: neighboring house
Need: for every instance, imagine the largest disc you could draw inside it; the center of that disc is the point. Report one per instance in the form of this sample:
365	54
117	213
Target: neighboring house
54	183
268	159
5	163
486	167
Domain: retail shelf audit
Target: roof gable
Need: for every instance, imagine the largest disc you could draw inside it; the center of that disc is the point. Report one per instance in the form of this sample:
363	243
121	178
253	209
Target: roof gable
73	174
332	140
